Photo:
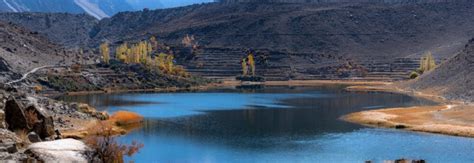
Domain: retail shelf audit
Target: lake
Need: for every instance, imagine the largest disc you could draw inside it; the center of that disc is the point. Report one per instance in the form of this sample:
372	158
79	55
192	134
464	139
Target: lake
273	124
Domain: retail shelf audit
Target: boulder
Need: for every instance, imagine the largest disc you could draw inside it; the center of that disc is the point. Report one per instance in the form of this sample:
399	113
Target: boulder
33	137
64	150
44	125
2	119
8	145
15	116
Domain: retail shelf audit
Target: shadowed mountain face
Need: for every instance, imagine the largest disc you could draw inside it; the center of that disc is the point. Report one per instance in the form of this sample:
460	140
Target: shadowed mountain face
295	40
454	79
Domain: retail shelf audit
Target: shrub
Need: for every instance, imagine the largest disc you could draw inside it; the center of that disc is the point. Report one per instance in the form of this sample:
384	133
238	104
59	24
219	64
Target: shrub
31	118
121	118
106	148
251	78
414	75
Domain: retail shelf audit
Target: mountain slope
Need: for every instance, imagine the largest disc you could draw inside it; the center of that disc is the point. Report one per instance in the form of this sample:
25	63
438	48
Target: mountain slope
97	8
357	30
297	41
65	29
22	50
453	79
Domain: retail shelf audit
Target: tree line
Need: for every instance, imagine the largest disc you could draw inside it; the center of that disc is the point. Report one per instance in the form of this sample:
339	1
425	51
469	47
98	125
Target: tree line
145	53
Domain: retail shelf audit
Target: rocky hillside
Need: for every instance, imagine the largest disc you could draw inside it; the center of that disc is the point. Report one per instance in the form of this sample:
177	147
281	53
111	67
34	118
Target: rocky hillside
22	50
339	1
96	8
70	30
453	79
303	41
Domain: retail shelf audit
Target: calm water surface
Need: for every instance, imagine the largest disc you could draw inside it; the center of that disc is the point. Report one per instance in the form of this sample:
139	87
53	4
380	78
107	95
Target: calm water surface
277	124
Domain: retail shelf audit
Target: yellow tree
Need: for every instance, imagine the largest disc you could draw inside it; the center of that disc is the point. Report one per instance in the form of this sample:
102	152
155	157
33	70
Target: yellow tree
251	63
427	62
169	63
129	55
105	51
143	52
160	61
149	48
244	67
121	53
153	43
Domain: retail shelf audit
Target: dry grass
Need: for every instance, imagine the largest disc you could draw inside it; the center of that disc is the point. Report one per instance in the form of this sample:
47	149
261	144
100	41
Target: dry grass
434	119
31	118
123	118
106	148
23	136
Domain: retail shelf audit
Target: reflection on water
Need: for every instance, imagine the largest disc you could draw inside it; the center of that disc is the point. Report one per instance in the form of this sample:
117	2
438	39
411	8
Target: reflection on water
270	125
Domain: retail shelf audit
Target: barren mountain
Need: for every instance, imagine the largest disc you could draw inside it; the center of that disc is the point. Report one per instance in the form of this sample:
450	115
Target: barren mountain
453	79
70	30
293	40
22	50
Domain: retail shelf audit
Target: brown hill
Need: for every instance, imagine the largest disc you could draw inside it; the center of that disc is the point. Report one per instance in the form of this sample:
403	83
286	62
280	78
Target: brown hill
453	79
299	41
22	50
70	30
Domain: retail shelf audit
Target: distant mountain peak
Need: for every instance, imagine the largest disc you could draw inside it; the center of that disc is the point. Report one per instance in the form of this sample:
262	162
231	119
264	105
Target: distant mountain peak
91	8
96	8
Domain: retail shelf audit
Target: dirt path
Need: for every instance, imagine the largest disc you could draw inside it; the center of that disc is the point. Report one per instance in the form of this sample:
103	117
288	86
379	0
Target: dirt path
28	73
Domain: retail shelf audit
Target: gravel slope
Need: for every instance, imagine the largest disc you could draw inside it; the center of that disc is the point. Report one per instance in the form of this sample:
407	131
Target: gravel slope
453	79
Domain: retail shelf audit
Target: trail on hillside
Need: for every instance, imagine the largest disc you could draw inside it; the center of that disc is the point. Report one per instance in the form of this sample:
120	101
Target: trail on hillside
28	73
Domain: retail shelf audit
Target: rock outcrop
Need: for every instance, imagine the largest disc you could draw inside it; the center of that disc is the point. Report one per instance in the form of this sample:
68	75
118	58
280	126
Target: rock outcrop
15	116
31	118
65	150
44	125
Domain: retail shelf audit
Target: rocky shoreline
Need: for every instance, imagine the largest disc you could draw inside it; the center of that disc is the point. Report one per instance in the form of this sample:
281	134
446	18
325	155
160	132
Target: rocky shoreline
60	121
31	124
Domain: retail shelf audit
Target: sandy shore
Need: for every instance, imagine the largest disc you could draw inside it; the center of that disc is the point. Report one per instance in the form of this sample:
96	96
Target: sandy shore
449	117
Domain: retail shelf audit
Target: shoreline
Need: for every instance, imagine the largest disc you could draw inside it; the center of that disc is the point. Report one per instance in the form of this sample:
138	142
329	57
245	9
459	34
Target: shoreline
443	118
448	117
230	83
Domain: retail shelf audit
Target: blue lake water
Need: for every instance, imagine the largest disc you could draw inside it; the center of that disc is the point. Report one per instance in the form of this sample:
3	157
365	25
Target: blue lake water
275	124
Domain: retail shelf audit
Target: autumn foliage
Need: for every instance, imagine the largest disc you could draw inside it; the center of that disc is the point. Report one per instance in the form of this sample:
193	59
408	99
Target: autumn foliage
106	148
125	118
427	62
146	53
105	52
248	62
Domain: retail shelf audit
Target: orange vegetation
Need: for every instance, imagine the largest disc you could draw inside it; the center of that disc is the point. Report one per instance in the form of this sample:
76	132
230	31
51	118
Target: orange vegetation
122	118
106	147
